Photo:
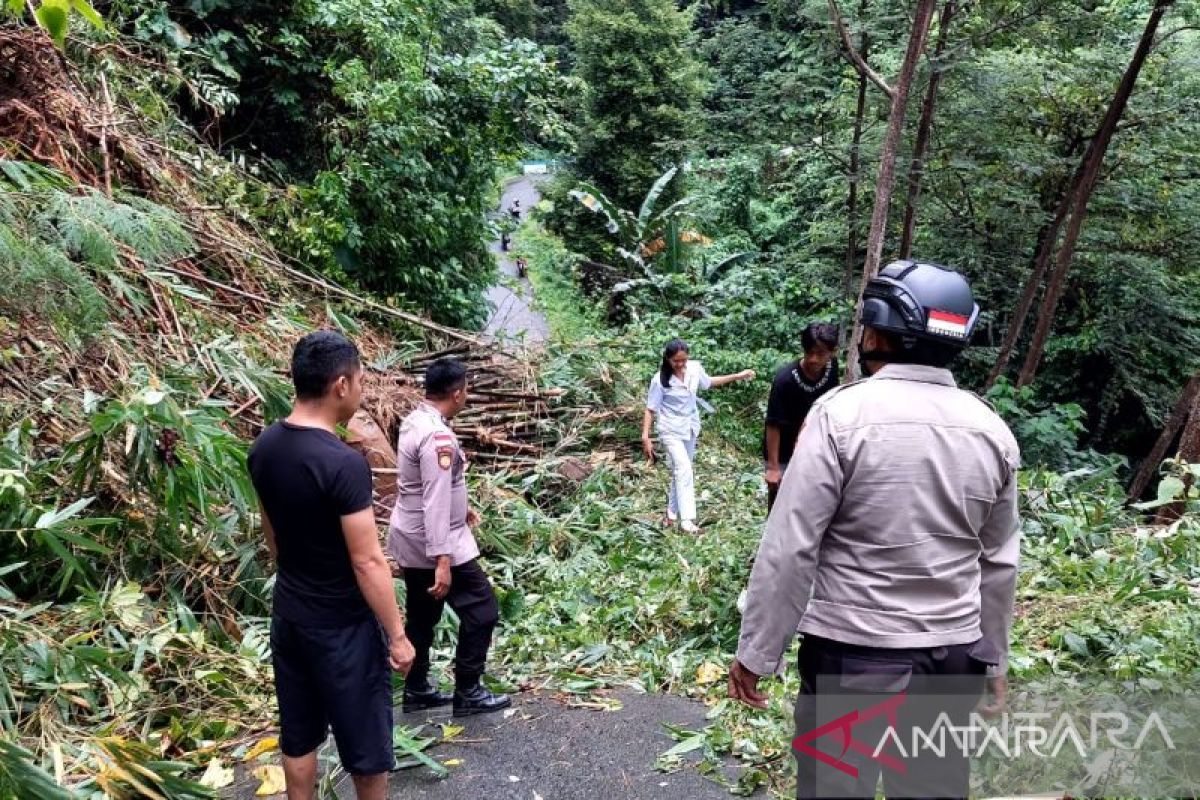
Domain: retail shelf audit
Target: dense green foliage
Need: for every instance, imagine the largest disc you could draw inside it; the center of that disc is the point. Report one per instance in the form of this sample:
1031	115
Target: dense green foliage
596	603
124	542
54	16
634	58
1023	90
541	21
710	150
386	121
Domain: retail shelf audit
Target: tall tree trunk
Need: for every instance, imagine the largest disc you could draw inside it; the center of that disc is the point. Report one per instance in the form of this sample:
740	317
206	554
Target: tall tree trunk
1189	452
855	176
1189	445
1179	415
916	167
887	164
1093	159
1047	239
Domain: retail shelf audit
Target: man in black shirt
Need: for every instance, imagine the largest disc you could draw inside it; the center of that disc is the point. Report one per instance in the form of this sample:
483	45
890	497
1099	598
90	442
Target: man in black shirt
335	625
796	387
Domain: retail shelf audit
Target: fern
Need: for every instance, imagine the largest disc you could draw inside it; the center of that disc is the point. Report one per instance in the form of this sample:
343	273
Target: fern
138	300
239	368
24	176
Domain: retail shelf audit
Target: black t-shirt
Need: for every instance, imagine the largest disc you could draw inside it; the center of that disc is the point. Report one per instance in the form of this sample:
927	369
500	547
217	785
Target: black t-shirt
307	479
792	395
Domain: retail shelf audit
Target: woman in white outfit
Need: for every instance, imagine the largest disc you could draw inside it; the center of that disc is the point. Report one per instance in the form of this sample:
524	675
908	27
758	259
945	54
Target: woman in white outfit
672	399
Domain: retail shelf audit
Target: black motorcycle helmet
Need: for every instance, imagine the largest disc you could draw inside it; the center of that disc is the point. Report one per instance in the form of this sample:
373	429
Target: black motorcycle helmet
928	309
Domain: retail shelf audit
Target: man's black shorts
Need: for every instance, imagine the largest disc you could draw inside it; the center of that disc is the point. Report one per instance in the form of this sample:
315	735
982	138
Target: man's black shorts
334	678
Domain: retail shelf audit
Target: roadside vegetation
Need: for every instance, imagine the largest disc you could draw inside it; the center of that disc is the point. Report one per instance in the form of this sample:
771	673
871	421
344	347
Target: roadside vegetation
186	187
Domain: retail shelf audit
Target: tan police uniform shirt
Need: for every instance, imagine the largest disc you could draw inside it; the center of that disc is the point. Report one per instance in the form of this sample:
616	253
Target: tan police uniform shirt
895	526
430	517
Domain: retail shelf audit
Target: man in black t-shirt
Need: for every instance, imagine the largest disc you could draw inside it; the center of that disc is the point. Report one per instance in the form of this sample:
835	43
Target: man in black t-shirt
335	625
793	391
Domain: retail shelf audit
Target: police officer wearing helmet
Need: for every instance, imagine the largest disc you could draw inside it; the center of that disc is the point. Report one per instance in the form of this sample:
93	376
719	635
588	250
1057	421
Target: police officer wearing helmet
893	543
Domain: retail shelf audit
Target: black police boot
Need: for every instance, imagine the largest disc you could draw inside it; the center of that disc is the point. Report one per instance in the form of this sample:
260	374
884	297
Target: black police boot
470	697
419	695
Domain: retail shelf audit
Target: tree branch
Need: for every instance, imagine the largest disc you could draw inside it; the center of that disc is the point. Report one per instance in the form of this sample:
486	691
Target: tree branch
852	53
1175	32
978	40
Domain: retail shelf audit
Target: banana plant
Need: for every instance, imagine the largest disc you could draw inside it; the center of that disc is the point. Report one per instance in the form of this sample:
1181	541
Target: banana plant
644	236
53	16
653	241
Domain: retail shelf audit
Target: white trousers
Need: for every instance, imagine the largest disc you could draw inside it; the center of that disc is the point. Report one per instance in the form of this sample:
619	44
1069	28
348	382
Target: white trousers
681	499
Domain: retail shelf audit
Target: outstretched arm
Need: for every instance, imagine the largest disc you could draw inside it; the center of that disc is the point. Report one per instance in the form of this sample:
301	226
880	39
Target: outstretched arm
744	375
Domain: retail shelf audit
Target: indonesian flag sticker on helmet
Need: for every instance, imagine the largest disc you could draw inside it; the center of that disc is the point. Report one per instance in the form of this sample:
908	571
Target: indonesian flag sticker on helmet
944	323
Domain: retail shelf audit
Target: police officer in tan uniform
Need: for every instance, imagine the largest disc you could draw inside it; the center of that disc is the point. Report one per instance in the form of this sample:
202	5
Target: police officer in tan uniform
893	543
430	538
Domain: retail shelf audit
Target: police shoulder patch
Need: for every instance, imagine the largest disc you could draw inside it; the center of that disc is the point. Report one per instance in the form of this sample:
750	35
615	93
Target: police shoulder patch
445	456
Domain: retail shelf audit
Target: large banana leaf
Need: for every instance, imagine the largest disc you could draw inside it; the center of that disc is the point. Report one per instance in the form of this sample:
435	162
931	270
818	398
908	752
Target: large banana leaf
594	200
660	186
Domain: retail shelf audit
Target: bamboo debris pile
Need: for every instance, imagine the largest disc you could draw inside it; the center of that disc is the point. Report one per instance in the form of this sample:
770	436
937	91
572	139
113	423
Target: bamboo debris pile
215	327
239	285
508	419
508	425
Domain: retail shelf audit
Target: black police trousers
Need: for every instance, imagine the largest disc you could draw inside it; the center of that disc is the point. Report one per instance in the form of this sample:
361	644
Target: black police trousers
870	712
473	600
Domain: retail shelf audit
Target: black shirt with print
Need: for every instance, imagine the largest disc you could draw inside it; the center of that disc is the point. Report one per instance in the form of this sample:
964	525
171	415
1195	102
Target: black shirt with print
792	395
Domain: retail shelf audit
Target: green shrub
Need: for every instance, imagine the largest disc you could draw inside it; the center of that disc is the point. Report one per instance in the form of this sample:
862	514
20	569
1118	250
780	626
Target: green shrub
1048	433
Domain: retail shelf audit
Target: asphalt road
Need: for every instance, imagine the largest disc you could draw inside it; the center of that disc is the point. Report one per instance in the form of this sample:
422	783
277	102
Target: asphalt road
513	317
551	751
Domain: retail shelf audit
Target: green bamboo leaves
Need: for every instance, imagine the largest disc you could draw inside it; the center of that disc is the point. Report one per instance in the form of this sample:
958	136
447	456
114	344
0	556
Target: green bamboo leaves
54	16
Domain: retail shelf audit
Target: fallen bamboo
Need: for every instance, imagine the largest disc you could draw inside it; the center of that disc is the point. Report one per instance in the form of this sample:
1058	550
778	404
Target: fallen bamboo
429	358
321	283
535	396
222	287
513	457
238	411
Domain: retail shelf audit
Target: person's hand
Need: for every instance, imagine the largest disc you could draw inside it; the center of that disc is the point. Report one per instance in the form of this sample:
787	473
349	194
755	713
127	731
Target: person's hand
648	449
743	686
747	375
401	654
995	697
441	579
773	476
473	518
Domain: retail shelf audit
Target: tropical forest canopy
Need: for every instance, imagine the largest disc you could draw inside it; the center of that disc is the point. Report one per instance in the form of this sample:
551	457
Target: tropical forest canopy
186	186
